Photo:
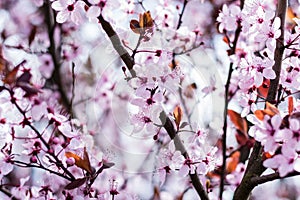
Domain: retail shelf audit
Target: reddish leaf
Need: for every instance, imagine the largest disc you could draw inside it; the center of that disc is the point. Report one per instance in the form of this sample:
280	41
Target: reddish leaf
75	184
3	62
146	20
184	124
233	161
291	104
29	89
11	77
134	25
290	16
267	155
270	110
177	113
225	39
105	165
239	122
32	35
173	65
79	162
264	88
156	195
25	77
189	90
241	138
143	26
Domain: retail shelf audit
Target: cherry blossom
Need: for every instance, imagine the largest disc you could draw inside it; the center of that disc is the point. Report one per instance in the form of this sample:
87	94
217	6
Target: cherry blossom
105	99
229	18
258	69
265	130
270	34
69	9
94	10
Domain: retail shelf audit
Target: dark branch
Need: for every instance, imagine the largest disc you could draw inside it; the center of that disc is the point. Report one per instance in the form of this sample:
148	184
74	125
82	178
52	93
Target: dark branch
255	165
55	54
181	14
168	125
271	177
116	42
227	99
281	12
7	193
129	62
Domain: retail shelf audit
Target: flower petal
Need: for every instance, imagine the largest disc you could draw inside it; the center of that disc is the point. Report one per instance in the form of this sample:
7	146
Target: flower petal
62	16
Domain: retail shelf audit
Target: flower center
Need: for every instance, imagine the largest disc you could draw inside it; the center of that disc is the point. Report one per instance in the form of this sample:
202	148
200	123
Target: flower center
271	35
150	101
146	119
70	8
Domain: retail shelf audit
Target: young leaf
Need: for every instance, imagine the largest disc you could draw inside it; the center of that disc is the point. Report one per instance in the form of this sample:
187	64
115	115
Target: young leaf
105	165
11	76
233	162
177	113
270	110
79	162
241	138
290	104
135	27
189	90
264	88
75	184
146	20
239	122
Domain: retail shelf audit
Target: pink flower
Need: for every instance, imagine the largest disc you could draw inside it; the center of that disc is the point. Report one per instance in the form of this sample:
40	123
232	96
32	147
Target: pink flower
265	131
94	10
283	162
229	17
147	96
63	124
5	164
269	34
258	68
211	87
46	67
247	101
68	9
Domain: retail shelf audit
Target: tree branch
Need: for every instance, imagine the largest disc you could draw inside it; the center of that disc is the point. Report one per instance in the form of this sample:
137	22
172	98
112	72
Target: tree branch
255	166
227	99
278	54
116	42
271	177
53	49
129	62
168	125
7	193
181	14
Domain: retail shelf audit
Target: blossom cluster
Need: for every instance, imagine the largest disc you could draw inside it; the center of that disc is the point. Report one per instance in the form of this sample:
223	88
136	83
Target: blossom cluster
92	90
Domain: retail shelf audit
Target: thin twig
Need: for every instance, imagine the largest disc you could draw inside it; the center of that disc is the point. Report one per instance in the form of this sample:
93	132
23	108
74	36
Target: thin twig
55	54
227	99
167	123
271	177
116	42
7	193
29	165
39	135
73	91
181	14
